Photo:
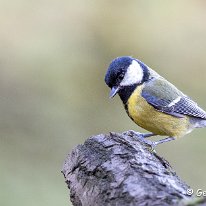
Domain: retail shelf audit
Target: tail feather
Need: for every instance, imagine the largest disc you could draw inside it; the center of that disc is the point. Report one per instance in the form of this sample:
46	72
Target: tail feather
198	123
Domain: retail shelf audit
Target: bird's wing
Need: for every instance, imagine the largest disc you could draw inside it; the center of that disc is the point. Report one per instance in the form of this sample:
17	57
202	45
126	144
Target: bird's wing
166	98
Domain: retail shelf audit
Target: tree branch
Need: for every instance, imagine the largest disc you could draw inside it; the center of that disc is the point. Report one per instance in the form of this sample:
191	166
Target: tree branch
119	169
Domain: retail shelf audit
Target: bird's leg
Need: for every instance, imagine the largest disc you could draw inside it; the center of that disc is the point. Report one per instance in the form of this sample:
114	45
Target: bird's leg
148	142
138	134
145	135
142	136
163	140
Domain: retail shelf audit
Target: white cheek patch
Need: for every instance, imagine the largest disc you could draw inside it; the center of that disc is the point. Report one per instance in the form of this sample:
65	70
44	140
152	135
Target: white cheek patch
134	74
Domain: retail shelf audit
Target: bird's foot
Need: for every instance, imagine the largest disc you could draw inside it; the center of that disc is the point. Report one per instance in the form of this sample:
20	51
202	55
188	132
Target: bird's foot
154	144
142	136
138	134
150	144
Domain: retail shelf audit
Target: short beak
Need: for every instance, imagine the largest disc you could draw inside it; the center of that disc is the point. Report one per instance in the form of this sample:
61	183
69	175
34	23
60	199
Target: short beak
114	91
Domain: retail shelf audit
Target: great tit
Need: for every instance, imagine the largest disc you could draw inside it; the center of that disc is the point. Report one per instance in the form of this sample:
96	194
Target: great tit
151	101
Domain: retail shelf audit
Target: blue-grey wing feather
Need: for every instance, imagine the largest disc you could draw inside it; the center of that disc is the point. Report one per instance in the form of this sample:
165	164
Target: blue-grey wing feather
188	107
164	102
161	104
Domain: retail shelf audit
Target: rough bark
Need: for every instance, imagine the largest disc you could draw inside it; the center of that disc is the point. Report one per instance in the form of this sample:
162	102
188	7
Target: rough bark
120	170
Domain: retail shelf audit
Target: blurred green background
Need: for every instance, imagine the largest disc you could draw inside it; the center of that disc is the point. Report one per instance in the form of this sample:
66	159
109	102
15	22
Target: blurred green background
53	58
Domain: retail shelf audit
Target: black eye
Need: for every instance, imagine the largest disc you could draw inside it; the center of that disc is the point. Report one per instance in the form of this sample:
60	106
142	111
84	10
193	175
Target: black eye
120	77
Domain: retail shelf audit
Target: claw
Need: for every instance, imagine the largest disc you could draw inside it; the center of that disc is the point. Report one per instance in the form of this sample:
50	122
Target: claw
151	144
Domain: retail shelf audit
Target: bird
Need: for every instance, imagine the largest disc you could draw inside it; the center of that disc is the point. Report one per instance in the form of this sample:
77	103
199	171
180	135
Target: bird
152	102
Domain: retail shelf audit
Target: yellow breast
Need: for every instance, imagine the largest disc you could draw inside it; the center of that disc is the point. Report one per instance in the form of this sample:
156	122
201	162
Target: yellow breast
144	115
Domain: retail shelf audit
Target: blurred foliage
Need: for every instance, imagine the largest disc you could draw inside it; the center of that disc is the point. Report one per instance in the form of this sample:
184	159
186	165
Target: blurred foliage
53	58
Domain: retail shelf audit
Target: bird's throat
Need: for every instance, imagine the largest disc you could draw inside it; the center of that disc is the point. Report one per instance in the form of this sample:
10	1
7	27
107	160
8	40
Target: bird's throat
126	92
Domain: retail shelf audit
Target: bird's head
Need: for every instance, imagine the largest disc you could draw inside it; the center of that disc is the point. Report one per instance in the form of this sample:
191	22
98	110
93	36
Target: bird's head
125	72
